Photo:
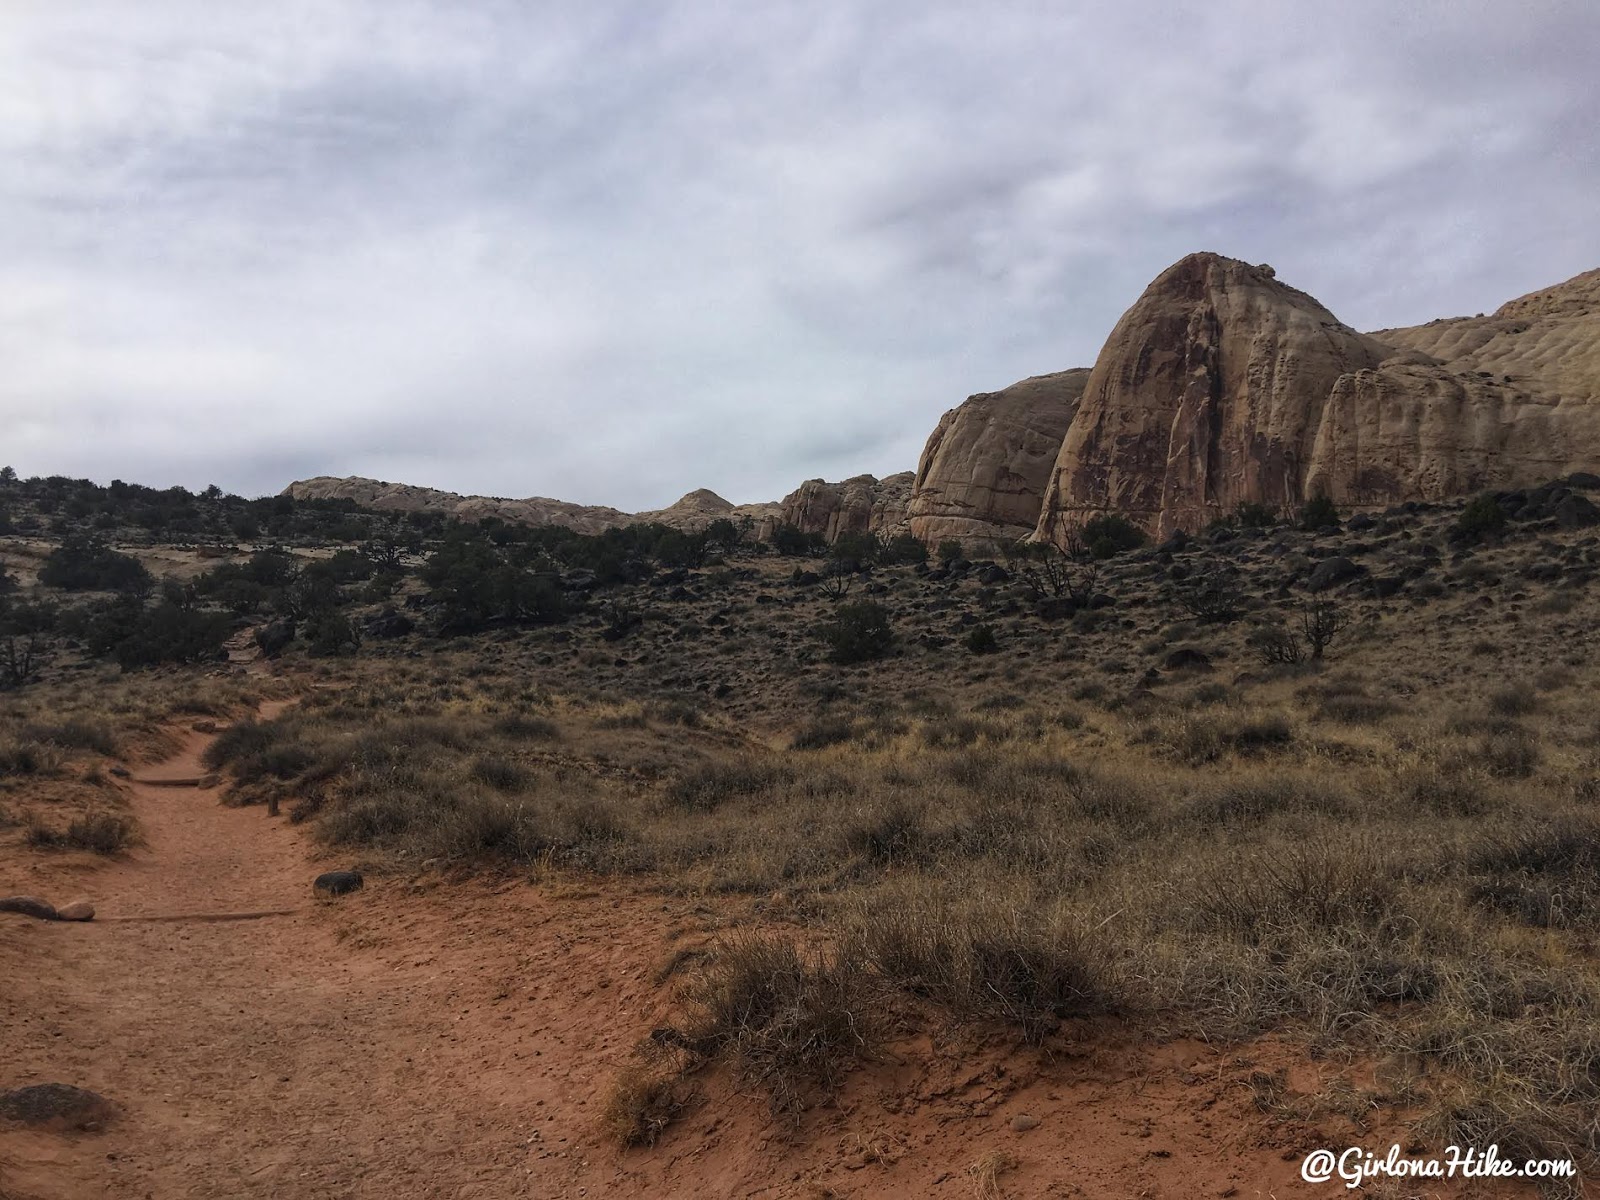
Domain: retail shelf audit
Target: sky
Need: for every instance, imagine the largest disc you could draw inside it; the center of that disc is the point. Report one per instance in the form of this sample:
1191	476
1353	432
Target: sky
611	252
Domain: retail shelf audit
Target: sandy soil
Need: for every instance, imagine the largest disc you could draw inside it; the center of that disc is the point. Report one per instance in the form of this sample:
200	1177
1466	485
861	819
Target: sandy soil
433	1038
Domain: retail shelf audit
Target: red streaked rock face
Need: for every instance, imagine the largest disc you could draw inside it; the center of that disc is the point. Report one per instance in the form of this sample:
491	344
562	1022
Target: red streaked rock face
1222	385
1208	393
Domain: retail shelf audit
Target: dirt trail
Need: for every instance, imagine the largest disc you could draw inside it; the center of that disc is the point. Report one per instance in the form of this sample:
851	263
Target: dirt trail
433	1039
320	1053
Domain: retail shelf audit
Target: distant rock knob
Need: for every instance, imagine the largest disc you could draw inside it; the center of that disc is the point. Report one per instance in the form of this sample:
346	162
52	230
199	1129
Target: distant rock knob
337	883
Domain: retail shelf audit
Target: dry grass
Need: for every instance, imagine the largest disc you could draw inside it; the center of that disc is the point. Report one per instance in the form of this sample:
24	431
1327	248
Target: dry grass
985	1173
1391	853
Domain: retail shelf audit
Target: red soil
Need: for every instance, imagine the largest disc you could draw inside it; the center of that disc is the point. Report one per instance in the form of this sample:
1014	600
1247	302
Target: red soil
437	1038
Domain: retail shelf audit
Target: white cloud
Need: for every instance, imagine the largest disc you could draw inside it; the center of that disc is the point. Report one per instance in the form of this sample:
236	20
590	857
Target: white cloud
611	253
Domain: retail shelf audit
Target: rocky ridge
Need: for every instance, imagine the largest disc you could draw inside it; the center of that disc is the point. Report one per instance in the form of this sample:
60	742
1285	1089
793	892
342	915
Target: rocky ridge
1220	385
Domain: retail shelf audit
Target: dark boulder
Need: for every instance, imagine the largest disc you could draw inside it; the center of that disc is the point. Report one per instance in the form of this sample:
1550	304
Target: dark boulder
274	637
390	623
57	1106
338	883
1331	571
29	906
1187	658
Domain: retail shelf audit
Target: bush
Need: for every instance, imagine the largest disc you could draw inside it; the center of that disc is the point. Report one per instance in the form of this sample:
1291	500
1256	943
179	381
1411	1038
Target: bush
791	1023
904	549
789	541
1481	518
859	633
949	550
855	548
84	562
982	640
823	732
1252	515
172	632
101	833
1319	513
704	788
1109	535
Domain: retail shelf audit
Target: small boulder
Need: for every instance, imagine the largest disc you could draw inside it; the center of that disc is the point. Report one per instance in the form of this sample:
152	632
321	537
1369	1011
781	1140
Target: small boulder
1022	1122
337	883
207	726
1331	571
57	1106
390	623
274	637
78	910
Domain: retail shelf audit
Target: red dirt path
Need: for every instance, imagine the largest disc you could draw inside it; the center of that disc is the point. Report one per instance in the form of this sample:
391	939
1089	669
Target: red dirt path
454	1039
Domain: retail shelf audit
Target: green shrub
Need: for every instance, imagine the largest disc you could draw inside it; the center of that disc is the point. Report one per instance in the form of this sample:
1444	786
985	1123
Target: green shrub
84	562
1109	535
905	548
982	640
859	632
1481	518
1319	513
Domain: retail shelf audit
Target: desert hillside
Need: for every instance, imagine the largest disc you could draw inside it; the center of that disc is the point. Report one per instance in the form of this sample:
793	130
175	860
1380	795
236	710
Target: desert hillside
640	863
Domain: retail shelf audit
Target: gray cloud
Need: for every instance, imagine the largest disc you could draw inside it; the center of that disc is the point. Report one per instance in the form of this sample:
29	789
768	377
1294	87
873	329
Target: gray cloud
610	254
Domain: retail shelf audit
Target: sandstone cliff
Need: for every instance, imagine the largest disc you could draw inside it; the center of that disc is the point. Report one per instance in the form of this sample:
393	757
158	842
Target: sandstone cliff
862	504
1222	385
983	473
694	511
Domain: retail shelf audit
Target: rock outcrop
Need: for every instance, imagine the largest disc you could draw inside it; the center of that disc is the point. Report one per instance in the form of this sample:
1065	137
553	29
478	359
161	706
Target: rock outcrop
694	511
984	471
1208	393
1546	343
1222	385
862	504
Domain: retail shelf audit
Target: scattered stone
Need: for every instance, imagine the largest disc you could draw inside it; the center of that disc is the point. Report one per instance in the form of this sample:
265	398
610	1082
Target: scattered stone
57	1106
204	726
122	772
390	623
1331	571
337	883
274	637
28	906
78	910
1022	1122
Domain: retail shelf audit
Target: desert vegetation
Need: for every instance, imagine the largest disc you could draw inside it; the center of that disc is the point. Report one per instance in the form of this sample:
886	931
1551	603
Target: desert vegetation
1307	773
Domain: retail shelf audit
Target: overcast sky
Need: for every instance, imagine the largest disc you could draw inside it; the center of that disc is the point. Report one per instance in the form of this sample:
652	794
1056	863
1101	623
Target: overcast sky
612	252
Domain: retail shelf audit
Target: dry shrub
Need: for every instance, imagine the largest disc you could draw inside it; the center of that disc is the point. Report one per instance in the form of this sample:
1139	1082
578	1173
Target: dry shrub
706	787
1198	738
790	1021
988	957
985	1173
644	1098
100	832
823	732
